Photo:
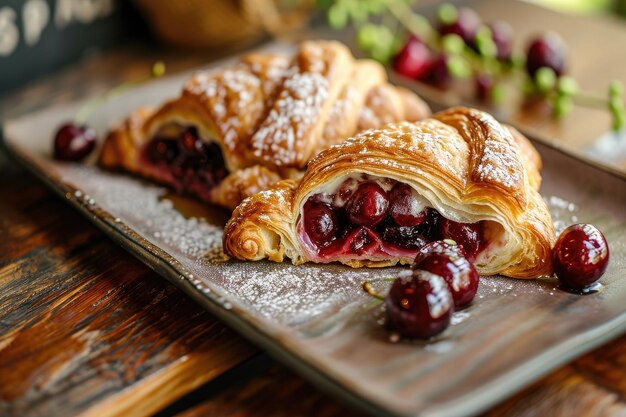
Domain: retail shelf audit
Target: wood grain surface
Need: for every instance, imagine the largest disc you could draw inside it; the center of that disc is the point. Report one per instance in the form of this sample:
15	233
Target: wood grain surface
85	329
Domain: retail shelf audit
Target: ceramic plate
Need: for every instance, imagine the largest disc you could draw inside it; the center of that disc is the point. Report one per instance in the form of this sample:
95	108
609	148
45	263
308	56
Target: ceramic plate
317	319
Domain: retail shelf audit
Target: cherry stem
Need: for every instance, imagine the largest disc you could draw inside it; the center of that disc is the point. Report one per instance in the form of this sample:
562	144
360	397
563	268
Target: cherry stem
157	70
367	287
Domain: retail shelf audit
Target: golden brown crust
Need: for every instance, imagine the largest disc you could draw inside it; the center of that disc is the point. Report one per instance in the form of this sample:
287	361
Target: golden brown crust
467	165
269	110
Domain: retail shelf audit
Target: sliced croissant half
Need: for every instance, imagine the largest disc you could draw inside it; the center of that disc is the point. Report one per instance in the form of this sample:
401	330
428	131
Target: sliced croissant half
237	129
375	199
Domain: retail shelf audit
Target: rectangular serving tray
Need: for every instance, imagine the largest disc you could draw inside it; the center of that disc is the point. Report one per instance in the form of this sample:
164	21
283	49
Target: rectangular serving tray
315	318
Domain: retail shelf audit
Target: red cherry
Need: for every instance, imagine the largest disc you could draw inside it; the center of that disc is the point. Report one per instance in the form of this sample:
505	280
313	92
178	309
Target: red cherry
419	306
547	50
73	143
580	256
449	262
467	235
409	237
466	25
360	241
414	59
406	209
368	205
440	74
320	222
484	84
162	150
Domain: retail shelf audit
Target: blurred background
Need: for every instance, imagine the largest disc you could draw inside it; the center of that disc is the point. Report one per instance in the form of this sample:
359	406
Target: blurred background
41	36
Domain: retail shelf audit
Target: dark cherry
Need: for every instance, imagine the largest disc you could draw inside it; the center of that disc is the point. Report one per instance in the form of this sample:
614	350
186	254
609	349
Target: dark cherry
320	222
360	241
163	150
409	237
449	262
467	235
440	75
414	60
190	142
484	84
502	35
419	306
405	208
431	226
368	205
580	256
547	50
73	142
466	25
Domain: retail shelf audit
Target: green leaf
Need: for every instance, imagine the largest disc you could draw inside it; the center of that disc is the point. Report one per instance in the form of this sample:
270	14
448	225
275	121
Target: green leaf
459	67
616	89
358	12
366	36
497	94
545	79
375	7
567	86
337	16
323	4
484	42
447	14
563	105
453	44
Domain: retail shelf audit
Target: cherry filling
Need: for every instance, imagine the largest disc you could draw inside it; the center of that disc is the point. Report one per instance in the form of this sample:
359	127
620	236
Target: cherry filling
186	162
378	218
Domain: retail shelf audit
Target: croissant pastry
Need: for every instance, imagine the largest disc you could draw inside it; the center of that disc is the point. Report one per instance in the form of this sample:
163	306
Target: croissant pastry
236	130
375	199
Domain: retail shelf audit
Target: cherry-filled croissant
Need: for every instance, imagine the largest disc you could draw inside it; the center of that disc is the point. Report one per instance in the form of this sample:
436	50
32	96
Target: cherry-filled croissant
236	130
375	199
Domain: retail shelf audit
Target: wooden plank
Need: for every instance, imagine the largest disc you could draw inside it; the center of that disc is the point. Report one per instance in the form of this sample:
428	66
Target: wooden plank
84	327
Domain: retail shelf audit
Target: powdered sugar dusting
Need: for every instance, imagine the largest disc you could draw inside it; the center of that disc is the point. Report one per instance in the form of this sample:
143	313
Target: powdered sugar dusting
294	113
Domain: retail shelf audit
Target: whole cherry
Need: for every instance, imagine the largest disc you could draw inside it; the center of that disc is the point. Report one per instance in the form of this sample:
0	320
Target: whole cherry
320	222
448	260
465	25
467	235
406	208
419	306
74	142
368	205
580	256
546	50
414	60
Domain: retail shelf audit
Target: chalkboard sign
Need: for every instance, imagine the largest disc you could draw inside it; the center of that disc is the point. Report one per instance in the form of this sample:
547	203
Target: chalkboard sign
39	36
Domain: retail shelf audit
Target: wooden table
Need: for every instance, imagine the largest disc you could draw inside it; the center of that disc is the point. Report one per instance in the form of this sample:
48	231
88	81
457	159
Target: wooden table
85	329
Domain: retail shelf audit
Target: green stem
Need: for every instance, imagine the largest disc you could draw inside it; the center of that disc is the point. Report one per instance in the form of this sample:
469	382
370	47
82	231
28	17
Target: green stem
367	287
403	14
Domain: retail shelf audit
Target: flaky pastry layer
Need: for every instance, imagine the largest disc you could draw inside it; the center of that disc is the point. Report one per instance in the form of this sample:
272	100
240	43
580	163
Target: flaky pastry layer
467	165
270	111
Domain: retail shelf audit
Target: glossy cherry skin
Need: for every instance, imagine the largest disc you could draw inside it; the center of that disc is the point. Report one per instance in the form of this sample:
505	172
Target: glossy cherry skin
405	207
440	75
320	222
360	240
414	60
408	237
449	262
368	205
467	235
547	50
580	256
502	35
73	142
484	85
466	25
420	306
